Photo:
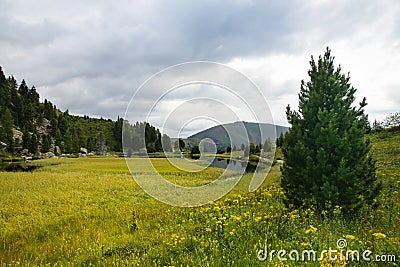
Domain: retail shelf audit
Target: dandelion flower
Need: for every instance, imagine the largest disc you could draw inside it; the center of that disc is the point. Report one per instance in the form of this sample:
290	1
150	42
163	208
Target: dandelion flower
379	235
258	219
312	229
351	237
174	236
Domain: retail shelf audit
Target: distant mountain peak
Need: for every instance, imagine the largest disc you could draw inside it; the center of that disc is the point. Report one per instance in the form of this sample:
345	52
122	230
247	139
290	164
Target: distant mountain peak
232	134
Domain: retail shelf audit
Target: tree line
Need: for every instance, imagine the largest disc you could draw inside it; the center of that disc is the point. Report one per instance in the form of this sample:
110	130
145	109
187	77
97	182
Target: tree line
144	137
26	124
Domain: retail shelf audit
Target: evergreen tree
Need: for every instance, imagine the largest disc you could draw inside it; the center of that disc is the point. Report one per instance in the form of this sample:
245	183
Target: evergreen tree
46	143
268	145
62	123
17	107
252	149
33	144
327	160
48	110
101	148
157	143
54	127
176	145
117	134
2	82
6	130
62	147
23	91
195	150
166	143
26	139
377	125
58	138
182	144
279	140
258	149
67	144
90	144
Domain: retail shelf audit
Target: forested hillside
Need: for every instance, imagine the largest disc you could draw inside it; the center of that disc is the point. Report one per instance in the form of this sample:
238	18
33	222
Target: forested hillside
240	132
31	127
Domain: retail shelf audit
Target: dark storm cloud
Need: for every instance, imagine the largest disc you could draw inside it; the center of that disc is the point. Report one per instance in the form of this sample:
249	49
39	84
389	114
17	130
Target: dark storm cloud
90	56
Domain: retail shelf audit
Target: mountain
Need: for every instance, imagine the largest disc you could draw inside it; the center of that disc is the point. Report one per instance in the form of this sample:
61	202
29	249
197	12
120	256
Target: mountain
239	133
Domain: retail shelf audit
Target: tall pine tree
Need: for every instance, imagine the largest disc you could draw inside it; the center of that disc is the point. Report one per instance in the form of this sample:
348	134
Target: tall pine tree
6	130
328	160
34	144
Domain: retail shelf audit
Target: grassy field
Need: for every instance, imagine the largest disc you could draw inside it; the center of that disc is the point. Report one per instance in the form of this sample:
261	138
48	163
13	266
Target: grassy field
90	212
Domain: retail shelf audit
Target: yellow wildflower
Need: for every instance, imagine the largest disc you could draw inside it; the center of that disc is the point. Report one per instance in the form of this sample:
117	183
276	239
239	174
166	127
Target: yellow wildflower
258	218
305	244
333	259
312	229
379	235
237	218
351	237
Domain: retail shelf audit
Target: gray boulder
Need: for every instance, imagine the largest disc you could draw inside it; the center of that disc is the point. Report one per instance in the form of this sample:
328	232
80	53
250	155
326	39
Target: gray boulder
57	150
47	155
17	134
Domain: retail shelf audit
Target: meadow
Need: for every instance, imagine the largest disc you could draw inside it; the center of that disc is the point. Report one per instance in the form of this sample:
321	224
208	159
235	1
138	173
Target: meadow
90	212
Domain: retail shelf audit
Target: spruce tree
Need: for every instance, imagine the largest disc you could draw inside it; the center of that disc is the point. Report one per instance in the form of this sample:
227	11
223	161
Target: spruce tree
279	140
58	137
327	155
117	134
34	144
166	143
101	148
68	143
26	139
46	143
252	148
268	145
6	129
182	144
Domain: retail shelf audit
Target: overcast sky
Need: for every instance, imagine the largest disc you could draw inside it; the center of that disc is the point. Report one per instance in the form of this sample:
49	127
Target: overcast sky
91	56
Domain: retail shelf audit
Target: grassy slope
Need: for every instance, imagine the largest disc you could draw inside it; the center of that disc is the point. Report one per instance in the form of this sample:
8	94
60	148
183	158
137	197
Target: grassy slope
90	211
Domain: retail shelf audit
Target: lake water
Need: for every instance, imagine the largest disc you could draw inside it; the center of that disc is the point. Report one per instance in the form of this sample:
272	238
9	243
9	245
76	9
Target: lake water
232	165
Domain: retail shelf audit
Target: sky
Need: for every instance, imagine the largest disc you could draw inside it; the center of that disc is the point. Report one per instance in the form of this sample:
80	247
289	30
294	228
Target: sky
90	57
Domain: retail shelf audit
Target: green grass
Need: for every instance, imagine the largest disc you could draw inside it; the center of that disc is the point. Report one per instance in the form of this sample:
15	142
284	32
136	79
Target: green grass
81	212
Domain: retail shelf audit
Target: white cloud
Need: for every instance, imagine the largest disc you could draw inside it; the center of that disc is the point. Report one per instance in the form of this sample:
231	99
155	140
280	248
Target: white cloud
90	56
